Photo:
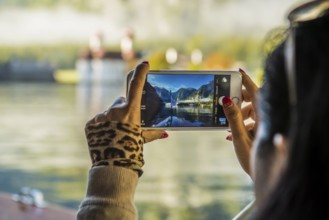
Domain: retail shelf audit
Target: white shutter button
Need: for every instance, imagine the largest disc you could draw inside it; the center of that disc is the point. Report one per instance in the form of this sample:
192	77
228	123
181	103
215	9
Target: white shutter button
220	100
235	100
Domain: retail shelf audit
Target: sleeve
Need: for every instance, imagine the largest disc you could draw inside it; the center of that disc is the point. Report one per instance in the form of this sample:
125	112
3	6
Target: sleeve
116	152
110	194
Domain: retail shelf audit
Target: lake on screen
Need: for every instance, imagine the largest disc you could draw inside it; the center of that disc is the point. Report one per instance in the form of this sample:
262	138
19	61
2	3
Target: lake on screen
190	175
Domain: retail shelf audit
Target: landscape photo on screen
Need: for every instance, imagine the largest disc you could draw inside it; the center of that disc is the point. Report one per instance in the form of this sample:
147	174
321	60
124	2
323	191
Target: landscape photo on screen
183	100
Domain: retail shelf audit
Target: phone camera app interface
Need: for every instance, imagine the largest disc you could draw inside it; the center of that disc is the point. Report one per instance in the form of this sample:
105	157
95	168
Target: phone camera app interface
184	100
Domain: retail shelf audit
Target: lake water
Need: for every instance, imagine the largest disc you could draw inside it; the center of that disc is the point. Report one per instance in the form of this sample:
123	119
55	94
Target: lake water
190	175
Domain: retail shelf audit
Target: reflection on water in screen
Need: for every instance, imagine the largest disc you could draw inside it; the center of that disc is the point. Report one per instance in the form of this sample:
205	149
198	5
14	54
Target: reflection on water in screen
184	116
190	175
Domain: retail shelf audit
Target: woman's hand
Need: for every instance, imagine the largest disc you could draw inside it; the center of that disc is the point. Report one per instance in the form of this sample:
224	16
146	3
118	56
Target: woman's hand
243	123
115	137
127	110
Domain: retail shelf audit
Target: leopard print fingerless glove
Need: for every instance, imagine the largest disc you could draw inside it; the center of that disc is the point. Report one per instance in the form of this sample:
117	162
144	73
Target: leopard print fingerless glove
115	143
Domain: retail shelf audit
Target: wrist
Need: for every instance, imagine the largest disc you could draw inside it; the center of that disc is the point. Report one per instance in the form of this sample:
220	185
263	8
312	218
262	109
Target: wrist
115	143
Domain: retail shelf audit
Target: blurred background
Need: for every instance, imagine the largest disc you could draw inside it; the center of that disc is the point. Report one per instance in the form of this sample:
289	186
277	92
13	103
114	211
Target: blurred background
63	61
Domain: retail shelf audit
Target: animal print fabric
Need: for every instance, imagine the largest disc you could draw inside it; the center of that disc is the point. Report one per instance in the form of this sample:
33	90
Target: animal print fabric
115	143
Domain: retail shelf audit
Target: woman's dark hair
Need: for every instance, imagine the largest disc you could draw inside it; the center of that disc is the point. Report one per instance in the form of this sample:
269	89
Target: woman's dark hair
273	111
303	188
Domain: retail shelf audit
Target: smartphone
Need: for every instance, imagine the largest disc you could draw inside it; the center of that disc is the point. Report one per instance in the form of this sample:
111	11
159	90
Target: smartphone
188	100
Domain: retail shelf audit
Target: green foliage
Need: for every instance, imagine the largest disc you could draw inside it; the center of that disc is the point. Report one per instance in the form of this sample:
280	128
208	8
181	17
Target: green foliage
229	51
60	56
239	49
158	60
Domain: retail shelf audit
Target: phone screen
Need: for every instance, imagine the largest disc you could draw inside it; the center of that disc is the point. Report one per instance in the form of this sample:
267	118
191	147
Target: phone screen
184	100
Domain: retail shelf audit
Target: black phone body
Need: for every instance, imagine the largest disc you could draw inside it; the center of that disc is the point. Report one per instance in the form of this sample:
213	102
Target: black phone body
188	100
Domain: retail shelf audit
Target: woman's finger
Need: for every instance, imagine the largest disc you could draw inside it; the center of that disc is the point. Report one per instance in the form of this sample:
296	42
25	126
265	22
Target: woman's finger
234	117
245	96
247	112
151	135
250	86
118	102
240	135
137	82
100	118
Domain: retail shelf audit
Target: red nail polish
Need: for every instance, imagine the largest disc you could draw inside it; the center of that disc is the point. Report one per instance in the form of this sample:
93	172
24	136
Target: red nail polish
242	71
227	101
146	62
164	135
229	138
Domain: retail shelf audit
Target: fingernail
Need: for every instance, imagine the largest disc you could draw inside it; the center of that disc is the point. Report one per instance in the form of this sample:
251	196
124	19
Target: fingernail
229	138
242	71
146	62
227	102
164	135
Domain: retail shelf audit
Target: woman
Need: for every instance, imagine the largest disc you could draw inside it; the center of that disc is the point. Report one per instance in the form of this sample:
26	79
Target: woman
115	142
291	134
290	153
303	171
